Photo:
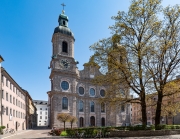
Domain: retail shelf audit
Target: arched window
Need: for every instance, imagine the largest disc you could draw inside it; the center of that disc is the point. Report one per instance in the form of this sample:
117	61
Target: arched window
81	106
102	92
81	90
92	92
92	121
81	122
102	107
92	106
122	108
64	103
64	47
102	121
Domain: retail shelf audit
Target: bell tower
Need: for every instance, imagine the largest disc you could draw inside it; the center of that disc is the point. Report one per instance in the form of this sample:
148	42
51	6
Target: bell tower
63	74
63	45
63	38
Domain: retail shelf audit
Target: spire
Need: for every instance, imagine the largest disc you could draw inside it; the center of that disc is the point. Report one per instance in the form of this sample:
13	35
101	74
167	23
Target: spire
63	19
63	8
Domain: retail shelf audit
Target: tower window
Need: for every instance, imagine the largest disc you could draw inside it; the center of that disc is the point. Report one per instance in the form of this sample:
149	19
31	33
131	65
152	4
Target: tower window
64	23
64	47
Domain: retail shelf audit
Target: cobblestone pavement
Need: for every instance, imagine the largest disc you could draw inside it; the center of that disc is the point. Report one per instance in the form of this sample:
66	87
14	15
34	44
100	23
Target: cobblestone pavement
43	134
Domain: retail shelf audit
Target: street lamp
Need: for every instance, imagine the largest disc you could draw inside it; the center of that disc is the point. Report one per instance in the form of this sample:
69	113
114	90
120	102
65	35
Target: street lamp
1	60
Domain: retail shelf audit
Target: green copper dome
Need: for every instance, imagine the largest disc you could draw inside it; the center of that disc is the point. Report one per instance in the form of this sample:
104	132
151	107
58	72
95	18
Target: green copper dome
63	25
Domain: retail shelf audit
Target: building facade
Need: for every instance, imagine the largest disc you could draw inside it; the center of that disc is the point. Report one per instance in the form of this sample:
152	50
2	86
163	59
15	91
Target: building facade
72	91
13	109
42	112
31	112
169	111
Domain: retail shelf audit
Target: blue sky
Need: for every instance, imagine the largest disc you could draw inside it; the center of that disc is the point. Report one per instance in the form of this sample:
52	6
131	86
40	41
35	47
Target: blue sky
26	29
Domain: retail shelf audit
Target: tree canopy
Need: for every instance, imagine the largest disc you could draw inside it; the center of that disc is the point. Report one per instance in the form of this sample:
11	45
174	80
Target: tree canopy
143	53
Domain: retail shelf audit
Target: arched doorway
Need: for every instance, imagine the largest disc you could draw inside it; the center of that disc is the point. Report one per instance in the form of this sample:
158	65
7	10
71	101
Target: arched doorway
81	122
102	121
92	121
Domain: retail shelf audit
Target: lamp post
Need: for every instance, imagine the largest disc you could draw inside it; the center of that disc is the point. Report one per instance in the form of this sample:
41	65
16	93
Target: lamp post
1	60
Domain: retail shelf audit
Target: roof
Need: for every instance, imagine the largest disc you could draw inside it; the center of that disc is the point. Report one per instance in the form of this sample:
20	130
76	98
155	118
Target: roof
40	102
63	30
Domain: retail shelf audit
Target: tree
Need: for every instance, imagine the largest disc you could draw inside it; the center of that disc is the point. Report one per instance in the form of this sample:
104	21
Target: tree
72	120
122	56
163	57
63	117
143	52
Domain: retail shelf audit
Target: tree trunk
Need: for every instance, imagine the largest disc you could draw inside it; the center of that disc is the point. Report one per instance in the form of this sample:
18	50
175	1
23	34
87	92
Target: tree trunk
158	110
64	126
143	109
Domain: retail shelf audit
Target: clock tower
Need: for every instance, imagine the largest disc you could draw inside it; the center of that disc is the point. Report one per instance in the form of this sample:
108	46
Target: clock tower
63	74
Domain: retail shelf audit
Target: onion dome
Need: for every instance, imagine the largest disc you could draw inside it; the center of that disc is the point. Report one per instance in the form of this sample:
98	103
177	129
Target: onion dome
63	25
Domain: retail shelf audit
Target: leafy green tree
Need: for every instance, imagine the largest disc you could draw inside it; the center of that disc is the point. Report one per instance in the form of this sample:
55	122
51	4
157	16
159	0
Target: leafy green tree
163	58
143	53
122	56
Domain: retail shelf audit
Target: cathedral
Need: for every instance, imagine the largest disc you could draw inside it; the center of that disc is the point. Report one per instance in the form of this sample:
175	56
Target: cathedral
71	89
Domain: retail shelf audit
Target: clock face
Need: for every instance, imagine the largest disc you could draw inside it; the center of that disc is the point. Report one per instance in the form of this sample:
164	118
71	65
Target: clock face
65	63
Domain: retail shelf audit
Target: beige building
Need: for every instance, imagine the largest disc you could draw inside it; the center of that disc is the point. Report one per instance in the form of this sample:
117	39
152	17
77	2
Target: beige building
13	103
31	112
72	90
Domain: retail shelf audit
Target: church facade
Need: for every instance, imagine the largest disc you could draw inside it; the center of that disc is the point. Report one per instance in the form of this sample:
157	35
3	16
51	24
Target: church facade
72	91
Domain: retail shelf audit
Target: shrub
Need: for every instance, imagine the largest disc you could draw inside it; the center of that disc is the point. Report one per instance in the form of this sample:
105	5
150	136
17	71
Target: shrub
70	132
159	127
177	126
63	133
152	127
1	129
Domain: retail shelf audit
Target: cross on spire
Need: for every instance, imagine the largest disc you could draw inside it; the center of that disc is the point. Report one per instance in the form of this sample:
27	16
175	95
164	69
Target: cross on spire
63	5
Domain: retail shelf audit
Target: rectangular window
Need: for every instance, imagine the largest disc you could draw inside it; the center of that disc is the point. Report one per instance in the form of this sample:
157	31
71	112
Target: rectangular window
40	108
40	117
45	117
16	102
13	100
46	113
13	113
13	88
40	112
10	111
10	86
10	99
16	114
2	93
2	79
7	96
122	108
7	82
6	110
2	109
